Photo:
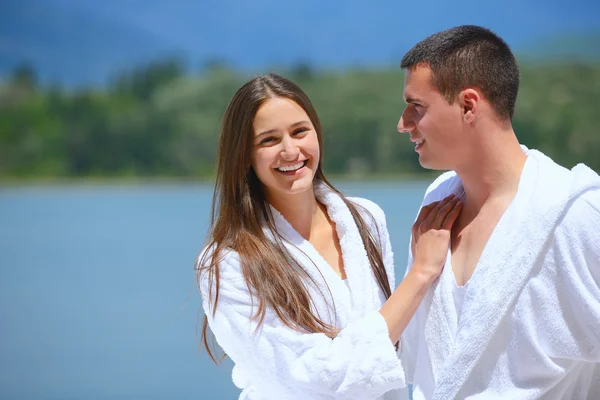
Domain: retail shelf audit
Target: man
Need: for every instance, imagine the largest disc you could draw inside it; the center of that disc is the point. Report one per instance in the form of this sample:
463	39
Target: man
515	313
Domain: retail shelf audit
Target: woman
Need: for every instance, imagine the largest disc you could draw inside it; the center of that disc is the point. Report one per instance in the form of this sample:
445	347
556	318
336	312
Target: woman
296	280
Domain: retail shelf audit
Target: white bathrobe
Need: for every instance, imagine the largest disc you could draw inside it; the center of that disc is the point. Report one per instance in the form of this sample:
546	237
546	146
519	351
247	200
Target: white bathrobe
279	363
529	327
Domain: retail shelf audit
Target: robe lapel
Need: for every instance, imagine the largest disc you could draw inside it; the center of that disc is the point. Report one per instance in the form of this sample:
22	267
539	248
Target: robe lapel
354	256
441	318
313	264
505	264
359	273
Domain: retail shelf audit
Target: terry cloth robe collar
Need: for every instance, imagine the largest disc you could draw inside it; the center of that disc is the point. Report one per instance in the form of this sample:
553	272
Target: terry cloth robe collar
521	234
359	274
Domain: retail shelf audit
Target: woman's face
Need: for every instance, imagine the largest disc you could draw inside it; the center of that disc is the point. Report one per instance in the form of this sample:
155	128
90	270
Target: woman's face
286	150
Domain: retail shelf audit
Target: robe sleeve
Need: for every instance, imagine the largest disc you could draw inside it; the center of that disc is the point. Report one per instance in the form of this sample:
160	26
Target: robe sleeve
577	253
409	342
409	338
361	362
387	254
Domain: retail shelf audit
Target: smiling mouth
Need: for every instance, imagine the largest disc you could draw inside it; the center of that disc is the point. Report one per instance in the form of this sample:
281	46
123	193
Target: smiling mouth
293	167
419	144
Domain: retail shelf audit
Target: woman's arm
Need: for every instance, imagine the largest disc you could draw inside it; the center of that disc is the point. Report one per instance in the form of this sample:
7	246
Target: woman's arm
431	235
359	363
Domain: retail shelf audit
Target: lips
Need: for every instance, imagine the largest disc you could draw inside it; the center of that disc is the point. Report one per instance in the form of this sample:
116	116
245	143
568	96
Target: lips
418	143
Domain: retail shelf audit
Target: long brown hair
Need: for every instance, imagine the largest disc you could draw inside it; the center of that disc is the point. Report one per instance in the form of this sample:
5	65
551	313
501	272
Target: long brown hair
240	212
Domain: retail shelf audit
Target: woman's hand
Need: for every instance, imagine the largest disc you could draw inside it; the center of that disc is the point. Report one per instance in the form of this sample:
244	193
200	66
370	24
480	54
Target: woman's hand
431	236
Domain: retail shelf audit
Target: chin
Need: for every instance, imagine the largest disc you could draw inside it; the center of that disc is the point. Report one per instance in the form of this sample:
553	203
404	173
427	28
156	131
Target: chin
434	165
301	186
297	187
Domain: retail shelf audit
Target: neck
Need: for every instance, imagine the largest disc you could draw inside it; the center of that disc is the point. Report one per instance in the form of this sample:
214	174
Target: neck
494	167
301	210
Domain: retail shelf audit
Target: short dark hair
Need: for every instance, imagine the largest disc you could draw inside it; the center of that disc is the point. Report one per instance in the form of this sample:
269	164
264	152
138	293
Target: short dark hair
469	55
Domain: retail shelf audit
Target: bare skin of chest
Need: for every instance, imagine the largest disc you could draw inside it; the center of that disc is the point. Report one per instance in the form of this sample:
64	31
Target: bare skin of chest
326	242
470	235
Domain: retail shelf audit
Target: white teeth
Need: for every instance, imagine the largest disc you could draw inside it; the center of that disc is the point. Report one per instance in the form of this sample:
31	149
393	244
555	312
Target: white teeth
291	167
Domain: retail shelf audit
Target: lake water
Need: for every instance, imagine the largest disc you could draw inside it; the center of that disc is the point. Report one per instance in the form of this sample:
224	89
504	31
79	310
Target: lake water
97	291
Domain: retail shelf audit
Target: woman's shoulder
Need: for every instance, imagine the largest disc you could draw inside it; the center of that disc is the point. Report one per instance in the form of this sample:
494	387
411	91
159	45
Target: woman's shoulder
370	206
208	252
228	260
367	208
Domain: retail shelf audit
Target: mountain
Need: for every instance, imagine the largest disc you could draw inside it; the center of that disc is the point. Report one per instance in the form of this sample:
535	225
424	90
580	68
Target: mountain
71	45
82	42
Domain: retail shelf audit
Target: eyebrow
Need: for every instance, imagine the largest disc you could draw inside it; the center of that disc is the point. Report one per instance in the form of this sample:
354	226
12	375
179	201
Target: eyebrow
412	100
295	124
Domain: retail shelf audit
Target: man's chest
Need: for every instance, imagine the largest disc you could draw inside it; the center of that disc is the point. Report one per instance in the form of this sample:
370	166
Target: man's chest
468	244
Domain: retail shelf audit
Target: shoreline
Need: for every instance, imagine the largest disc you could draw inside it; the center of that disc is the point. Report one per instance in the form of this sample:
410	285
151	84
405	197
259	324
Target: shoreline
7	182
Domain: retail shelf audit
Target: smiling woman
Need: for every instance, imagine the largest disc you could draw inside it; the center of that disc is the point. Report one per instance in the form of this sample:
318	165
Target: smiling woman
286	149
297	279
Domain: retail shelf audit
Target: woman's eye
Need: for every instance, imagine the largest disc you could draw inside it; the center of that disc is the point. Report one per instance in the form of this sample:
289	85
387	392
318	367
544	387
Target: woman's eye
267	140
300	131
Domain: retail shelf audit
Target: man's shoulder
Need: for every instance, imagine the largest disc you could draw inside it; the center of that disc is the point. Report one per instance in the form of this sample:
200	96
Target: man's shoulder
580	219
441	187
585	194
584	211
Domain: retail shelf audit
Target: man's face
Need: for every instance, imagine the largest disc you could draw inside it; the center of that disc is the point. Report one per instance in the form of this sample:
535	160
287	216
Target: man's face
435	126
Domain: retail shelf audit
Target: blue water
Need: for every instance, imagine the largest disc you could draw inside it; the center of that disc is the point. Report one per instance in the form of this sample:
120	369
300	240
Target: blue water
97	291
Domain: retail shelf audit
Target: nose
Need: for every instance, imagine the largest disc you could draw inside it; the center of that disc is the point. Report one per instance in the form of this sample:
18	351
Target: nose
289	149
406	123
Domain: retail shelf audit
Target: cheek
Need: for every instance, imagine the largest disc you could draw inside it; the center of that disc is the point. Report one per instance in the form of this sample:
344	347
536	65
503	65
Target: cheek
261	161
316	151
442	123
313	147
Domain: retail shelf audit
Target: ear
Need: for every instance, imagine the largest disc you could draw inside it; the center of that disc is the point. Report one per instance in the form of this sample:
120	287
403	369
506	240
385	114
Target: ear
470	101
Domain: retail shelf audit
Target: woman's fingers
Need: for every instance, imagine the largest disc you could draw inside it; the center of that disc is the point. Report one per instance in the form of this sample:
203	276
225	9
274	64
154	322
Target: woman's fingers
425	211
443	213
437	215
429	222
423	214
452	215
